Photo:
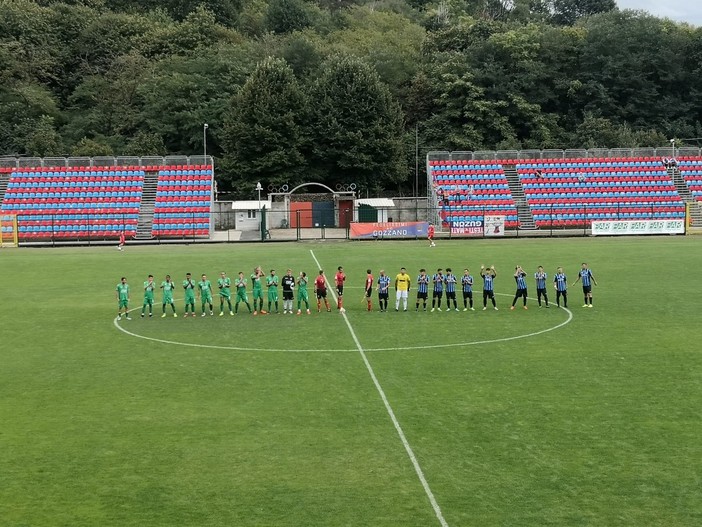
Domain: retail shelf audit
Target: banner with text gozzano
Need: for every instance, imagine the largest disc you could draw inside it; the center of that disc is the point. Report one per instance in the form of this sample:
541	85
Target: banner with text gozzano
388	230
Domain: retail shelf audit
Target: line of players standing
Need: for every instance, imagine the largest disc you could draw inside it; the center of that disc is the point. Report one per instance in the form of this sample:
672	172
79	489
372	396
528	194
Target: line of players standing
441	282
203	290
449	283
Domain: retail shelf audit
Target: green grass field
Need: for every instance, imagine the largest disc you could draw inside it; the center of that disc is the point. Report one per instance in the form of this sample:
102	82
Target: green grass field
276	420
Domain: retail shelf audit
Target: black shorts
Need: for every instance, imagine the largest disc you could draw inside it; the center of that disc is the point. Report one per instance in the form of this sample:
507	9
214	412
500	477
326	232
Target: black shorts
369	292
421	296
488	294
340	290
287	295
321	293
451	295
541	291
521	292
383	296
587	289
467	294
438	294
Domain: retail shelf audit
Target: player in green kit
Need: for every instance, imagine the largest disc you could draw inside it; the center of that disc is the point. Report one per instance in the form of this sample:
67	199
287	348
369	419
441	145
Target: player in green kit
241	296
257	283
302	295
204	287
224	284
123	298
149	287
168	287
272	283
189	286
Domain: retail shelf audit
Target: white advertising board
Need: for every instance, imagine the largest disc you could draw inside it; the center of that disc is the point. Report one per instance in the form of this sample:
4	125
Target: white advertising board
637	227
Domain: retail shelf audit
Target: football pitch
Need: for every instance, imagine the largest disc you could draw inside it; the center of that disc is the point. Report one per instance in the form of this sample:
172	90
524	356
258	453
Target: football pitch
527	417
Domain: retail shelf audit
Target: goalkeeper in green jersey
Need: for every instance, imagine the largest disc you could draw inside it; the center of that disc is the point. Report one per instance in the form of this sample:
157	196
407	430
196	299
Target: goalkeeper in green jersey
272	283
123	298
241	296
225	293
204	287
302	295
189	286
149	287
257	284
167	285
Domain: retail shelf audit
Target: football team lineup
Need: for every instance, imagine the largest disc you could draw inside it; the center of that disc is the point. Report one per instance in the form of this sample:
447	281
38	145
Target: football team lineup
424	283
440	282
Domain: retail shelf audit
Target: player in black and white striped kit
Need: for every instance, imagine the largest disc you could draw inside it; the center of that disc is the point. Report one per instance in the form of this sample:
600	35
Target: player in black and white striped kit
540	276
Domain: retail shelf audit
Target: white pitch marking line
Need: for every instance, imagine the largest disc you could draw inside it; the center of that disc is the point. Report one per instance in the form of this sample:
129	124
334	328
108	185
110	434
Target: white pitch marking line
391	413
327	350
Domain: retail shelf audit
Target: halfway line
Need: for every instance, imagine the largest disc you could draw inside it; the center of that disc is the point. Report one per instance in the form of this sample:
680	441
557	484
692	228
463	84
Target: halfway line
391	413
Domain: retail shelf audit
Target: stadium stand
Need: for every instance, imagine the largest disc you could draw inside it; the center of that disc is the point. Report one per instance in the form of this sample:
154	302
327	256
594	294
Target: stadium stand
80	202
466	190
564	192
183	197
691	171
101	202
573	192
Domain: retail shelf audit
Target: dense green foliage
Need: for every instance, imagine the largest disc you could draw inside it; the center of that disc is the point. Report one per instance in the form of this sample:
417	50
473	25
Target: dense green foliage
126	77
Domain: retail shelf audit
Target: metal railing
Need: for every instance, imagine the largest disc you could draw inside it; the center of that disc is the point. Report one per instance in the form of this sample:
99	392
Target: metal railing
575	153
106	161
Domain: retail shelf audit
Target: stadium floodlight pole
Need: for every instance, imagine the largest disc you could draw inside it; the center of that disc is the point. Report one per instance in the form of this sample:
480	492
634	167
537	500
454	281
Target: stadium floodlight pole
416	170
204	140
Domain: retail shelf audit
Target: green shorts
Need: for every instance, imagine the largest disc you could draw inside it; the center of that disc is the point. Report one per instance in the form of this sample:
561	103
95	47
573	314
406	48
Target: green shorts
148	301
258	293
167	300
225	294
189	299
206	299
123	304
272	295
241	296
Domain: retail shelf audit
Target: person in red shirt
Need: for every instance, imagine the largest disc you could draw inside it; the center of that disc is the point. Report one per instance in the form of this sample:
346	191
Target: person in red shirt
121	241
320	288
430	235
369	289
339	280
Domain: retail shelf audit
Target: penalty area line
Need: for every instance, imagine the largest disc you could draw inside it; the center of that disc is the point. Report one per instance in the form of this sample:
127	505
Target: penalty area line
391	413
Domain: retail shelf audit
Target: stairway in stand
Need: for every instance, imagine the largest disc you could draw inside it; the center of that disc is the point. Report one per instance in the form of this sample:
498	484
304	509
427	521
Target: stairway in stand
526	218
4	181
146	210
686	195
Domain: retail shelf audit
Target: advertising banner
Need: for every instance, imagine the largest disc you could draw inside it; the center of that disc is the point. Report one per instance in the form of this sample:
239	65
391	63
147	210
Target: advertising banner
388	230
473	227
637	227
494	225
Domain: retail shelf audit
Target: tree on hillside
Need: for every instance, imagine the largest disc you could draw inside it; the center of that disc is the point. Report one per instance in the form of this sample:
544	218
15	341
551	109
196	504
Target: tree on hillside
263	136
567	12
286	16
356	126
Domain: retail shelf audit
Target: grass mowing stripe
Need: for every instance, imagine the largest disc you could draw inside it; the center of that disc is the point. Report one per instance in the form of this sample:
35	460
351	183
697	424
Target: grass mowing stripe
391	413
